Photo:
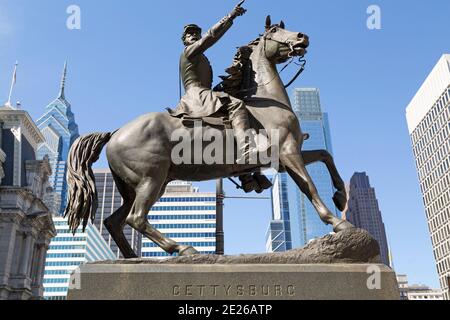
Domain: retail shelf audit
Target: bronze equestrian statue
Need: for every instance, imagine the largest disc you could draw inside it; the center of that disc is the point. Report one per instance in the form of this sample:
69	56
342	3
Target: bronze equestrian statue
140	153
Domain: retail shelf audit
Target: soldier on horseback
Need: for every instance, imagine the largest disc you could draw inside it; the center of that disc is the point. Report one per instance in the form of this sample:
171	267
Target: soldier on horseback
200	100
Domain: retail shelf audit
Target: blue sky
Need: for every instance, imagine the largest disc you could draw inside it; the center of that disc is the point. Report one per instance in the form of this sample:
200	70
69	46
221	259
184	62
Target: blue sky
124	62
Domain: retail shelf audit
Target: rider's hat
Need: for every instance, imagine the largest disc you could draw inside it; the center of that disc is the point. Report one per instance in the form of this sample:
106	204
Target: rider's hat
190	28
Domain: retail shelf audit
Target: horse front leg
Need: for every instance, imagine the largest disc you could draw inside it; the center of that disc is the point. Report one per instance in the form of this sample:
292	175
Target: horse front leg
295	166
147	194
340	196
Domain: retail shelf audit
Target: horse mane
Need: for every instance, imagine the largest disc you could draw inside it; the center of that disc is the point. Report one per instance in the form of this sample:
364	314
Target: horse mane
232	83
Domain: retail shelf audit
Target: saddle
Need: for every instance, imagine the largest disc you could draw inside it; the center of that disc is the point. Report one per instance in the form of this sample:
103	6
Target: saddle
220	122
250	182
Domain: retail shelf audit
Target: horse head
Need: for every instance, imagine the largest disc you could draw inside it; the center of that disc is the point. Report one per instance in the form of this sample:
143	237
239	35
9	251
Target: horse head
254	73
281	44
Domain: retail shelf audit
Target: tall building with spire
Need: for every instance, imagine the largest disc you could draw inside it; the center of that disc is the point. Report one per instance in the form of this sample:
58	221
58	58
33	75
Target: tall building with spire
60	131
294	220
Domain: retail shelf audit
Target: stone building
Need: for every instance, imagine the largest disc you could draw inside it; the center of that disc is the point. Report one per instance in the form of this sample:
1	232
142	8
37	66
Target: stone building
26	225
417	291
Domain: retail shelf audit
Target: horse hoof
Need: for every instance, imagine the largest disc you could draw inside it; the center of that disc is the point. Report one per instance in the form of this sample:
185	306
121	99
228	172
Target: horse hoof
340	200
343	225
130	255
187	251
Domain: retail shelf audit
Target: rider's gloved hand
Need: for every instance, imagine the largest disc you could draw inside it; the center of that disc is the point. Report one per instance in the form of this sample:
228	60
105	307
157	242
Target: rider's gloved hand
238	11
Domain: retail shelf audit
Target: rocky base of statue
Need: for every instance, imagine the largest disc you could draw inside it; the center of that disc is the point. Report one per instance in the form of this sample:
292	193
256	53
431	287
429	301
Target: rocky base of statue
349	246
342	266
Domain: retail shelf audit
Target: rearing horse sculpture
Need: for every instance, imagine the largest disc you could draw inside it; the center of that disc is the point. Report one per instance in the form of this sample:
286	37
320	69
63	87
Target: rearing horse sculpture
139	154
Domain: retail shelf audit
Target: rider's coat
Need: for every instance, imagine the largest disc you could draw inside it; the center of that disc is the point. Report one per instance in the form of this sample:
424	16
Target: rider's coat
197	76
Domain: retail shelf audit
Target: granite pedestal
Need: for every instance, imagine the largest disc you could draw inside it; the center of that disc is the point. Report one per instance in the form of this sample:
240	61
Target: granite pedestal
343	266
234	282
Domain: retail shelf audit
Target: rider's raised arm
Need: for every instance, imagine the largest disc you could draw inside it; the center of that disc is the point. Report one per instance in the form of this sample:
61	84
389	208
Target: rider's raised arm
210	38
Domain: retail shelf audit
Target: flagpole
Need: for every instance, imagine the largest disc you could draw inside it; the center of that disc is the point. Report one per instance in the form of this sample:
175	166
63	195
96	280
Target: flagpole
13	82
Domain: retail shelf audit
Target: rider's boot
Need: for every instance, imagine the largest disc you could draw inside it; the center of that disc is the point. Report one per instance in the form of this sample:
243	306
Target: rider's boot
249	184
263	182
245	138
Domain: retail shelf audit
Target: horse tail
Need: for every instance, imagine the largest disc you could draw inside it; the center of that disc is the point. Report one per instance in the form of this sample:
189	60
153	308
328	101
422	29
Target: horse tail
82	195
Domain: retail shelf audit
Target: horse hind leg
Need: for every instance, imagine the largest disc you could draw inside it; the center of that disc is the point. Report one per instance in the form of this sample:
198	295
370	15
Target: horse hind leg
340	196
115	223
147	193
296	168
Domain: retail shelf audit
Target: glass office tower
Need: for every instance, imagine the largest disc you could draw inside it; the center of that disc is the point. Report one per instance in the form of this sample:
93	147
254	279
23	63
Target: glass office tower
294	219
110	200
186	215
279	234
67	252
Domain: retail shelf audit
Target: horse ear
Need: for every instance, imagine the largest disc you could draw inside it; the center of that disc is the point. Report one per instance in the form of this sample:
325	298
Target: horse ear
268	22
282	24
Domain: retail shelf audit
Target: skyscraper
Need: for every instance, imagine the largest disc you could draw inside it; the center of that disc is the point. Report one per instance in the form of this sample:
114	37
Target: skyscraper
279	234
364	213
295	221
109	200
186	215
60	131
67	252
428	117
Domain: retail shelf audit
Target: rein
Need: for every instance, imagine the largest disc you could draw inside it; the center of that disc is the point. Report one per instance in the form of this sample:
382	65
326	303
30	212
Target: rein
301	63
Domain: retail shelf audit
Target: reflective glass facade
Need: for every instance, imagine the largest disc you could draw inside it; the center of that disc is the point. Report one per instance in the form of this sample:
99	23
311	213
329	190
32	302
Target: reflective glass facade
279	233
185	215
60	131
67	252
110	200
294	218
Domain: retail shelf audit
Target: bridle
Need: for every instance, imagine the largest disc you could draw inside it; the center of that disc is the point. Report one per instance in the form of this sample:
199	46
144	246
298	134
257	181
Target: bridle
301	60
301	63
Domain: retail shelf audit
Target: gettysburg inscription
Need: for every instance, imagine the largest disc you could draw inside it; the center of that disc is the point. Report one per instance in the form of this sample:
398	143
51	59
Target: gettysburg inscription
233	290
